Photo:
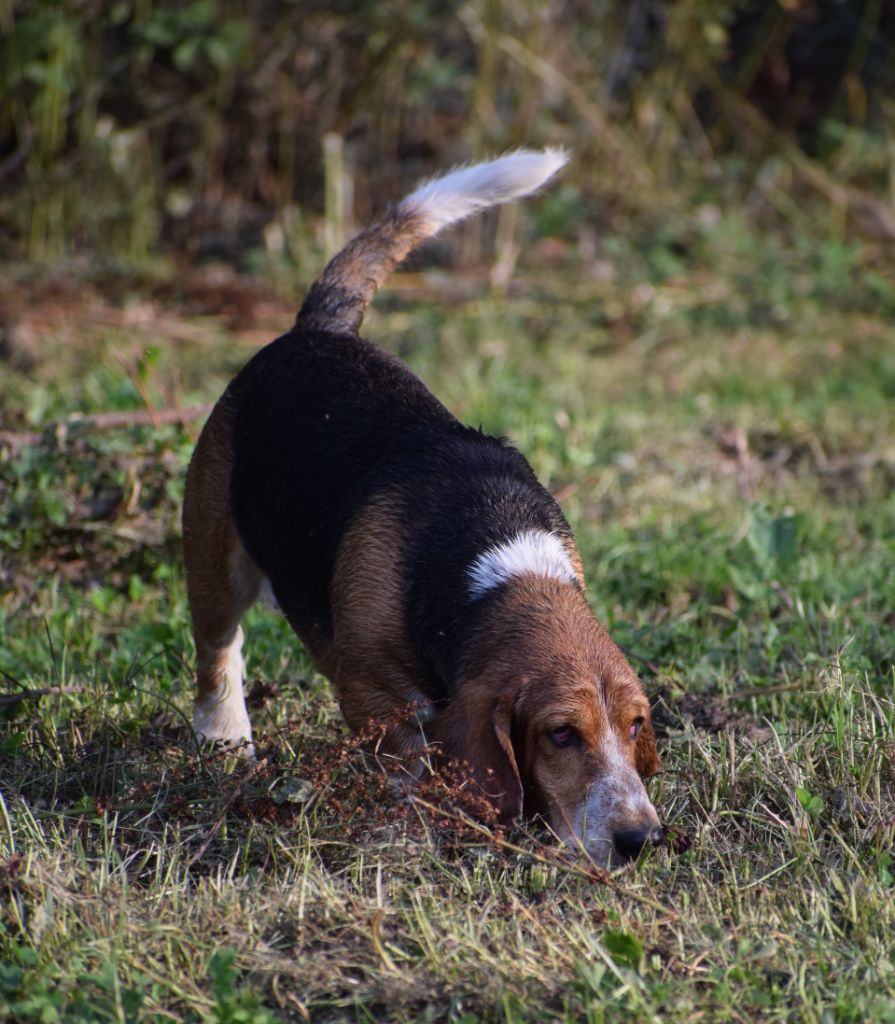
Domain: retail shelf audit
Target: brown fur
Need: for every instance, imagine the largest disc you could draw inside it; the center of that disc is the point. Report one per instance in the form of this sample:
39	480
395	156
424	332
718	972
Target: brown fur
373	671
339	299
543	662
572	551
222	583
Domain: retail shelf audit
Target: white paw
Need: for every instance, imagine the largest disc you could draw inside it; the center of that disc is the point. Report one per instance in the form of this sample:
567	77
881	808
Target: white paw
223	719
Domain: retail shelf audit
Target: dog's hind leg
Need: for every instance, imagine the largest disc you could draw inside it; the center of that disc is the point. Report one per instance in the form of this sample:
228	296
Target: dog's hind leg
222	583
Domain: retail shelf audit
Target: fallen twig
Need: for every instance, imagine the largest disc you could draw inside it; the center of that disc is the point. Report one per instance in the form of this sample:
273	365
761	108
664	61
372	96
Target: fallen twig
112	420
42	691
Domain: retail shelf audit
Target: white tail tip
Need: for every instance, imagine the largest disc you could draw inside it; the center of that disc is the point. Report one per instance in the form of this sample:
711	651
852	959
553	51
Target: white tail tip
467	190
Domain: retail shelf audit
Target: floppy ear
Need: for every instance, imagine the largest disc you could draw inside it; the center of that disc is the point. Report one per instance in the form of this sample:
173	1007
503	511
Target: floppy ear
475	729
645	756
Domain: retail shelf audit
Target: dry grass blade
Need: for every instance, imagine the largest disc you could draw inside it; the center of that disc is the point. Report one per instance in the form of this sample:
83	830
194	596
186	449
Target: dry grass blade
556	858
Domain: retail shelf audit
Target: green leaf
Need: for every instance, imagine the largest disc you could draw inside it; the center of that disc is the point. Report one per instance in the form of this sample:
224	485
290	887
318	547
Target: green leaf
813	805
624	948
222	973
26	955
11	978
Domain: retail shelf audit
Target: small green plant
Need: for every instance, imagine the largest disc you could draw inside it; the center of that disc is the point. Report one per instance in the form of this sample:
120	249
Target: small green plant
234	1005
812	805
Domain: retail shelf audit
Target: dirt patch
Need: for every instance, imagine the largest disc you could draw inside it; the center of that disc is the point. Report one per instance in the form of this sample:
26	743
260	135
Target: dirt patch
705	714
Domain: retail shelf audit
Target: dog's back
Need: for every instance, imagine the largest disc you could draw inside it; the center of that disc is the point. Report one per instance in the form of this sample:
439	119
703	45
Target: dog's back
324	425
325	421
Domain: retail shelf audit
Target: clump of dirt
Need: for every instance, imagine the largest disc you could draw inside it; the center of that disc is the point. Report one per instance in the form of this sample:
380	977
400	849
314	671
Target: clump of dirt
705	714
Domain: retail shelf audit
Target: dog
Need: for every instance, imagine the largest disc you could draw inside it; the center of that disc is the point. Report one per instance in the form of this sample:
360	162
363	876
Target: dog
419	561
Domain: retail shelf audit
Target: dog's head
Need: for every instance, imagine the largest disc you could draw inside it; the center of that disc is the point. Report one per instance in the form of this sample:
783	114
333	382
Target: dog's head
552	719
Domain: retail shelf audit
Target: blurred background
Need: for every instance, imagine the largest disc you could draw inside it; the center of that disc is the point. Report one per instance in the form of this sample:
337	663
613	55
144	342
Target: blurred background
138	136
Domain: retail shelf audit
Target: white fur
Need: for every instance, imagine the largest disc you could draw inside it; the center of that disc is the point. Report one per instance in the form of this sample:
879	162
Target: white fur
466	190
222	717
530	553
616	801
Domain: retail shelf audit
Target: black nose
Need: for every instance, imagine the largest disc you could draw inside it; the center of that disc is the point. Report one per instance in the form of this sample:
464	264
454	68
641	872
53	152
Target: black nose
630	842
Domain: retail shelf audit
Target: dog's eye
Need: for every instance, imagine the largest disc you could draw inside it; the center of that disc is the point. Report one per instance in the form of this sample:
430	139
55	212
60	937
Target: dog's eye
564	736
635	729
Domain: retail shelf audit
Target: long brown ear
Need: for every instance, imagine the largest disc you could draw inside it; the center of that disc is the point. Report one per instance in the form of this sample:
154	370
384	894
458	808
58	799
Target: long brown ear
475	729
645	756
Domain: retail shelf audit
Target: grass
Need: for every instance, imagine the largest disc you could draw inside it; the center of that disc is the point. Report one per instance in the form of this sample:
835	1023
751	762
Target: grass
720	427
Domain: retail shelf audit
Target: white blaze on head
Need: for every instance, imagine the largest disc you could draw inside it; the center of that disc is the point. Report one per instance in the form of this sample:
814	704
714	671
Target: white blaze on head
530	553
616	802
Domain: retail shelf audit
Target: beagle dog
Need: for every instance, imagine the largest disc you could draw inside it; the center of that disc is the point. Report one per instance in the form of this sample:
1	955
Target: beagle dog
431	577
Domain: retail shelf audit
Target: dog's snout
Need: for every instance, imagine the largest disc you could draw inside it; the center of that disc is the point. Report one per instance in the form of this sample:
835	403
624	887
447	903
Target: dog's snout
630	842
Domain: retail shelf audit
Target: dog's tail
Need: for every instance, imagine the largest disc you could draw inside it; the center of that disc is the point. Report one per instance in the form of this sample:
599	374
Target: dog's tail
338	301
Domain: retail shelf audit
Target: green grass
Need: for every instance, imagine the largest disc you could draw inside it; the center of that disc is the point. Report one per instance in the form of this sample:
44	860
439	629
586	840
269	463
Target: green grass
143	880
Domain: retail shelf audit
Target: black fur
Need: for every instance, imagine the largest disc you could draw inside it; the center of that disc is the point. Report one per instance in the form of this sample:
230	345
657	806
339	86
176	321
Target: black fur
323	423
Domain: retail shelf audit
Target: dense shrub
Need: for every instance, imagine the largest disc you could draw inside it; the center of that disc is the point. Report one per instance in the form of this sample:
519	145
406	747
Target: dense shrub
129	125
